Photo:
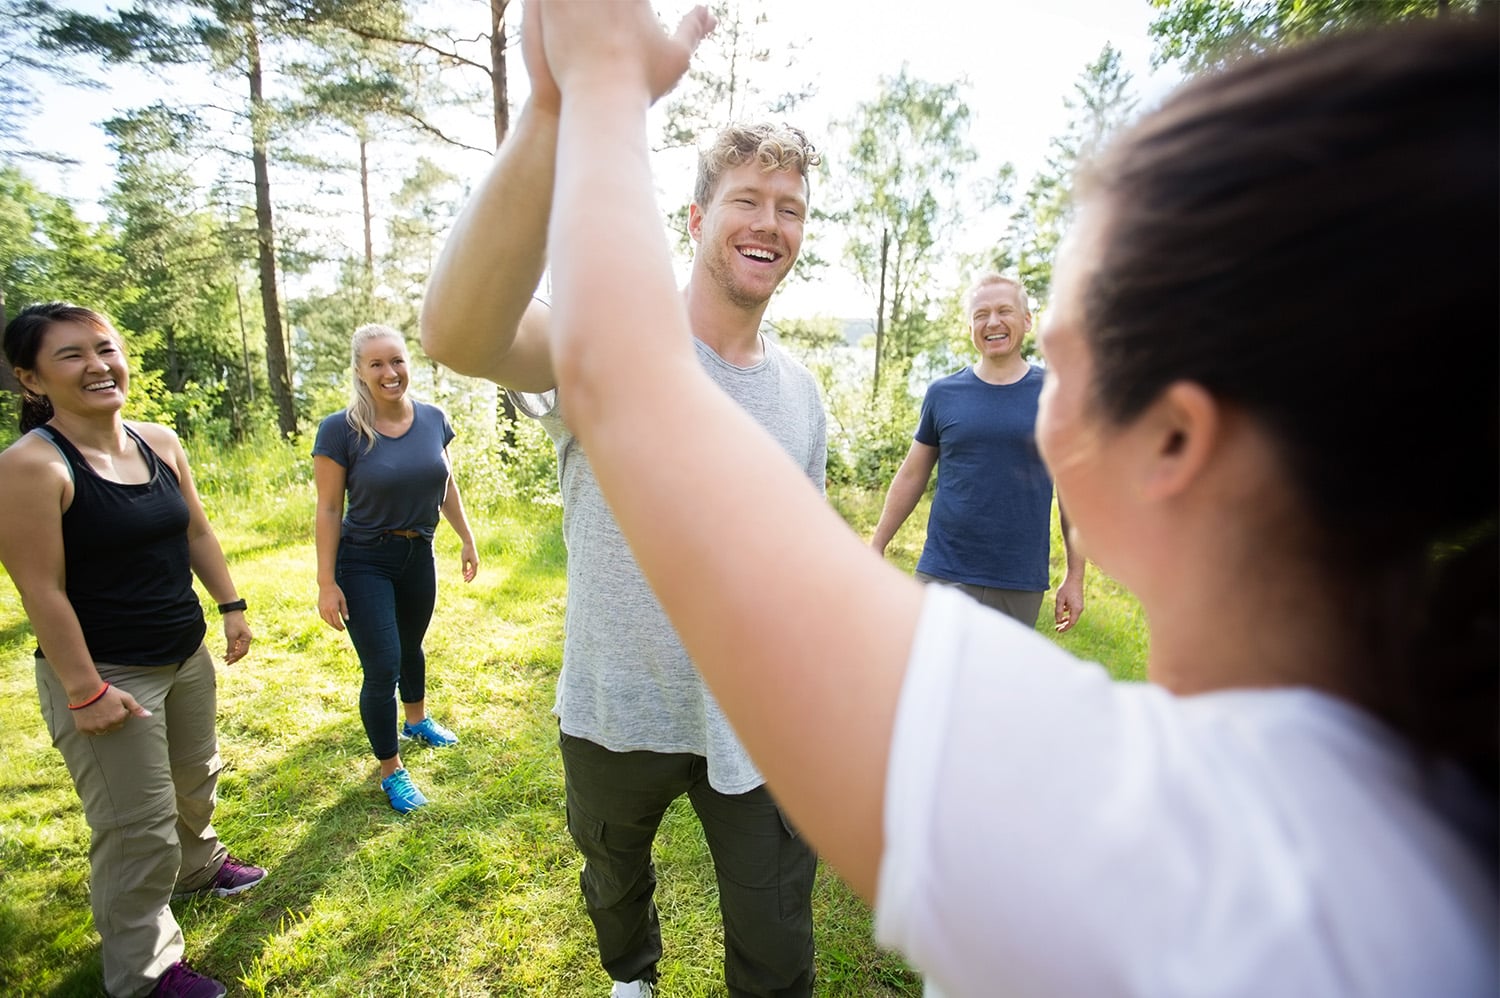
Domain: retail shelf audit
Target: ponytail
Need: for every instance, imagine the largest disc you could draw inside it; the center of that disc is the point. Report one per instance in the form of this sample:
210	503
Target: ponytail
35	410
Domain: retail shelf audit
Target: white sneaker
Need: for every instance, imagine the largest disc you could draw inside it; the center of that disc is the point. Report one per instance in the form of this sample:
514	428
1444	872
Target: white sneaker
635	989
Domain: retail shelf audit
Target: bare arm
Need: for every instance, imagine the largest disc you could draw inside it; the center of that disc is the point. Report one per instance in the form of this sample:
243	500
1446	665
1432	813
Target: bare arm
35	489
478	316
328	523
905	492
453	512
1069	603
204	553
734	536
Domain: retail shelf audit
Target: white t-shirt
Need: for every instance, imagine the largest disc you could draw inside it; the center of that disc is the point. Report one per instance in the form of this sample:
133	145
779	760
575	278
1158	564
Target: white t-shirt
1051	832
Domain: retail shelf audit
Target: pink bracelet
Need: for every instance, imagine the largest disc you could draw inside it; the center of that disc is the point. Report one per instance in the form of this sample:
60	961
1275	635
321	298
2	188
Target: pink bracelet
91	700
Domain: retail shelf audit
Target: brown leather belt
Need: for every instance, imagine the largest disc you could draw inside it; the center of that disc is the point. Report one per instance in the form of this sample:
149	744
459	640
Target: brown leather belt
408	534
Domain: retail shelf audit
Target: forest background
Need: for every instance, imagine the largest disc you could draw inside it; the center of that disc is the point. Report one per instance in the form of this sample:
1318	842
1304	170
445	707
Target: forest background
289	173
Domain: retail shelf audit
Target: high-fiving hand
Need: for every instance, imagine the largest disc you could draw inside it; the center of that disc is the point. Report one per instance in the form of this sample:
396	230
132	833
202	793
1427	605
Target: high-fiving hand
606	43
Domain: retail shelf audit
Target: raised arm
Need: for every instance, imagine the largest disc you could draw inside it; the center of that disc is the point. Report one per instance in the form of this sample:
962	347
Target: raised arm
905	492
478	316
729	534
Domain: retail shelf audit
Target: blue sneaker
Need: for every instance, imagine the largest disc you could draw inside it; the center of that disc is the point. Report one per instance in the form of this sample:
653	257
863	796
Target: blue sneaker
429	731
404	795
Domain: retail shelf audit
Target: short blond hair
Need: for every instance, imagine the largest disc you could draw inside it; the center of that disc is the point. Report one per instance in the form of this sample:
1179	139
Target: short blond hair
985	280
774	147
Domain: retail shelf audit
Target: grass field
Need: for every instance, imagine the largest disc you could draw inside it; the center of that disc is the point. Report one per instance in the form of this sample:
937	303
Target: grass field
474	895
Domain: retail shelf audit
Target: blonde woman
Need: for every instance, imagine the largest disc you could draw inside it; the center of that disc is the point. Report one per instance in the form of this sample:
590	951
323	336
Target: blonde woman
388	454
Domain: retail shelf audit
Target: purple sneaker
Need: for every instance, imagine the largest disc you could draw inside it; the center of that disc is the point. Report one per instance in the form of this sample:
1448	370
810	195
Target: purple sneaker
232	878
182	981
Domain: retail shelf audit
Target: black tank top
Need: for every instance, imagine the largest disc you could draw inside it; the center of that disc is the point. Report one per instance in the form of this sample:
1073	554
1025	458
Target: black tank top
125	550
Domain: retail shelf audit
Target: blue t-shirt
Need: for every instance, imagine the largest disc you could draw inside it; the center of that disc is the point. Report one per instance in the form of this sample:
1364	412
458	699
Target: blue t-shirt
991	516
399	483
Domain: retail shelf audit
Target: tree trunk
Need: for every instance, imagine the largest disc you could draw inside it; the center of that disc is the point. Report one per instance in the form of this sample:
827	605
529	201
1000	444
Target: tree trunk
364	197
8	382
497	70
239	307
175	379
505	409
276	363
885	248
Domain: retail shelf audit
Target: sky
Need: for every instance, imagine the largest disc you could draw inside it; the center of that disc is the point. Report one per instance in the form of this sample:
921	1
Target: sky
1018	58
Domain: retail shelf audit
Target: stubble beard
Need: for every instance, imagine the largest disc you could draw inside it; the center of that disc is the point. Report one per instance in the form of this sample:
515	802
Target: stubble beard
736	293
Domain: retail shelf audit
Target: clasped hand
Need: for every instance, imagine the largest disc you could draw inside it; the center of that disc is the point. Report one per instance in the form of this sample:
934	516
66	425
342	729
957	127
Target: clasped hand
568	44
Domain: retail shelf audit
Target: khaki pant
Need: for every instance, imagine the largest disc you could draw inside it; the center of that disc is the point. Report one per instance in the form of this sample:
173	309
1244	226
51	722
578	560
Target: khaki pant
1018	604
148	794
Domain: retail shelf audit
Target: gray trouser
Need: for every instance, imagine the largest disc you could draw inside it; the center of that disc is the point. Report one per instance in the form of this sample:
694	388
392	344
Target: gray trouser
1020	604
148	796
765	871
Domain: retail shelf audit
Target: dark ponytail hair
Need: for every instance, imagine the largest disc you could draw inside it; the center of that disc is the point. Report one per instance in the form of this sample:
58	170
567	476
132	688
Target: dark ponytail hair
1312	237
23	338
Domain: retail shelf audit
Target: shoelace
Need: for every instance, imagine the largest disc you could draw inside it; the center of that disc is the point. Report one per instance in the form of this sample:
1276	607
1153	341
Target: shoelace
177	975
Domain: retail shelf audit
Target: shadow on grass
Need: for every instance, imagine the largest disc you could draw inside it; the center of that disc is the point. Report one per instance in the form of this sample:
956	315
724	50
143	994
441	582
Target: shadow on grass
85	979
354	861
247	552
19	634
296	874
273	796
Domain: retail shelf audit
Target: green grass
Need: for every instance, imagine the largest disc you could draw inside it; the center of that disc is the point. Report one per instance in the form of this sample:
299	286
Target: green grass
474	895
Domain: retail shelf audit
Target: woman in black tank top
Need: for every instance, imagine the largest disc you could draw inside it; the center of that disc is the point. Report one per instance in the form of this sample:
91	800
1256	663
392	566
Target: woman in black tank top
104	535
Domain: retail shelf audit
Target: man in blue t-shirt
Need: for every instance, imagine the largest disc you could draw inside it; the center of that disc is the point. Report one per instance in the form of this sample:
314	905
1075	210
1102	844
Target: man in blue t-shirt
989	530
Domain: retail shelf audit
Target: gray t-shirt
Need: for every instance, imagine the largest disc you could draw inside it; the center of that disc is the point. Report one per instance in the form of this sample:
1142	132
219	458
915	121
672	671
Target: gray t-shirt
626	682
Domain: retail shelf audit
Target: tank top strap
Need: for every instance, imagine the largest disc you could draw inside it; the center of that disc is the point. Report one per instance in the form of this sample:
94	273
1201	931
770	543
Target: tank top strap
156	462
77	462
70	454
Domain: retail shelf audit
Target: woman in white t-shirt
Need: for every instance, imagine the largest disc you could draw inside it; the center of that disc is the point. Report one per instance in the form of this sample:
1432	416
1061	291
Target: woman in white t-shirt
1242	420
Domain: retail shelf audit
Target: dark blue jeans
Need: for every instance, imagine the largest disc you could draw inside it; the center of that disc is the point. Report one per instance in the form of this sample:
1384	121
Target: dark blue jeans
390	587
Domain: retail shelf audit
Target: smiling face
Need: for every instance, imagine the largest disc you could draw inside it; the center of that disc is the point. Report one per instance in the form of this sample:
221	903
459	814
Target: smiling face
382	367
750	232
998	320
80	369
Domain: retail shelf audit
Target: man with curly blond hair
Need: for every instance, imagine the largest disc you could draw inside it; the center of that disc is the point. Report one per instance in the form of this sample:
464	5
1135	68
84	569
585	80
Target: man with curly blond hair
638	728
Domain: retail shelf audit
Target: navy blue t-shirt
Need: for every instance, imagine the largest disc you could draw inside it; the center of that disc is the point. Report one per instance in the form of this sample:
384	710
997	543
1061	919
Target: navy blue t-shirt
397	485
991	516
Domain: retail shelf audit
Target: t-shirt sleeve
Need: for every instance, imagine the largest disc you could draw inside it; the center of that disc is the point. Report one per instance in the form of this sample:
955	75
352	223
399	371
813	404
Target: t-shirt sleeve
332	439
927	421
448	433
537	405
818	461
1019	832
